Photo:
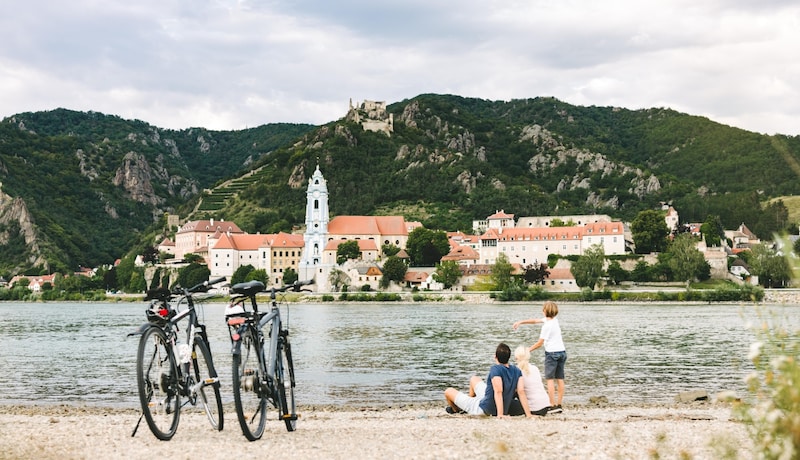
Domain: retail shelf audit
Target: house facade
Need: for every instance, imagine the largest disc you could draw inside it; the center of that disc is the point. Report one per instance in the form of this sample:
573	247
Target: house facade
197	236
273	253
532	245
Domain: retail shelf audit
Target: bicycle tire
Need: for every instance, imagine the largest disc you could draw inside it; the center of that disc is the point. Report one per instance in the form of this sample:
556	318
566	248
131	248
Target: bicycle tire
248	395
284	375
203	367
157	380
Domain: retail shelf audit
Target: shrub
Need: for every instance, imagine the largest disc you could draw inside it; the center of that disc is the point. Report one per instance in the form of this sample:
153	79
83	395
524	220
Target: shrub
772	413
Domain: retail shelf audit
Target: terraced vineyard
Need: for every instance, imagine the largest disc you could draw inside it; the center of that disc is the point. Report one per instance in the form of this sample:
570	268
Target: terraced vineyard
217	198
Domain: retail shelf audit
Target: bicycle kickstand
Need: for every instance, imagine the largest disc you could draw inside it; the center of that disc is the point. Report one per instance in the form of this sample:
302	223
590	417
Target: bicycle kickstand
136	428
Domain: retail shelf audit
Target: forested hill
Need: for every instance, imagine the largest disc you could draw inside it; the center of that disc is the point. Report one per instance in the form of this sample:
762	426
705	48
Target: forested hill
85	188
78	189
450	160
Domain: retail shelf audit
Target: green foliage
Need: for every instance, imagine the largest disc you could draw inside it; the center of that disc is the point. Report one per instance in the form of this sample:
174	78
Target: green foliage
448	273
289	276
192	275
771	268
338	280
467	157
686	262
772	413
240	274
426	247
347	251
617	274
257	275
713	231
588	269
501	273
394	269
535	273
649	231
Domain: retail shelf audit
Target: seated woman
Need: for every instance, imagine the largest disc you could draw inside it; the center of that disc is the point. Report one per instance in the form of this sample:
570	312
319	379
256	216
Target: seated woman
538	401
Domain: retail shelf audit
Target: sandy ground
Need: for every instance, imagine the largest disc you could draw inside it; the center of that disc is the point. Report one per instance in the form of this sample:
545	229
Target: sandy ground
686	431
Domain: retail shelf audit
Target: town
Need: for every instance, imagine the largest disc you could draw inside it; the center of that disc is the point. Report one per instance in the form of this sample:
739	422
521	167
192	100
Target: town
523	243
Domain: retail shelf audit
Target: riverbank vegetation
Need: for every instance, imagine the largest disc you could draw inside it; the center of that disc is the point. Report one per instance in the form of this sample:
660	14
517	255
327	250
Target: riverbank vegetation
772	412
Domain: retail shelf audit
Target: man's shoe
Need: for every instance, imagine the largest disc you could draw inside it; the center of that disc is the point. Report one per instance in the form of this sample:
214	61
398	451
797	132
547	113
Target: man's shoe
555	410
449	410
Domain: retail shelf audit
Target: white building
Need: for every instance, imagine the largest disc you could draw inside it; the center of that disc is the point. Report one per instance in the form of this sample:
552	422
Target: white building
532	245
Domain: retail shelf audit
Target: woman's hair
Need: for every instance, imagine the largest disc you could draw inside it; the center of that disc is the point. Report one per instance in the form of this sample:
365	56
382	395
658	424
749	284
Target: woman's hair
550	309
522	356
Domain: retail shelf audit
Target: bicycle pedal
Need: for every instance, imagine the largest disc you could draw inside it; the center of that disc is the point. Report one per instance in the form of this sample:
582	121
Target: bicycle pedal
290	417
210	380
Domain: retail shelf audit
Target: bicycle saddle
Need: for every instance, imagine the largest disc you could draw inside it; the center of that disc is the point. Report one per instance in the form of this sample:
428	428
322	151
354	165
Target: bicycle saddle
248	288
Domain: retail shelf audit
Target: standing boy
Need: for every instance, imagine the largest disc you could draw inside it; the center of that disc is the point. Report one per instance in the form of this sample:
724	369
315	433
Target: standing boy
555	354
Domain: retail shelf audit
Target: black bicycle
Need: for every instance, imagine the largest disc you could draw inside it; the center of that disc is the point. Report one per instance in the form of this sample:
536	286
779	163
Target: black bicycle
168	369
263	371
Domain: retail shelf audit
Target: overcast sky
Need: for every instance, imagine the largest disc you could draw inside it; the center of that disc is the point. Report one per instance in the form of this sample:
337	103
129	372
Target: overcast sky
228	64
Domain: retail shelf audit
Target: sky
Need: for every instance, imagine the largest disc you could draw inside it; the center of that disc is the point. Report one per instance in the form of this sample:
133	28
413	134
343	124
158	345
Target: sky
230	65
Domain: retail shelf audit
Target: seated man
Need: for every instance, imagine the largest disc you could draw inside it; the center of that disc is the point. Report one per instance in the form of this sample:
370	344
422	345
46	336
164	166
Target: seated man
493	396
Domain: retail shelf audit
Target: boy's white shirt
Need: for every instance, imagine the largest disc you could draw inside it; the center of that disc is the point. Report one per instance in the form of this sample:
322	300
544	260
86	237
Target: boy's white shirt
551	334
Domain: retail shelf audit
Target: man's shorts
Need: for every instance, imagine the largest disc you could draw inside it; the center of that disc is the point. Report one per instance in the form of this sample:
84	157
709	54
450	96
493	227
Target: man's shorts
472	404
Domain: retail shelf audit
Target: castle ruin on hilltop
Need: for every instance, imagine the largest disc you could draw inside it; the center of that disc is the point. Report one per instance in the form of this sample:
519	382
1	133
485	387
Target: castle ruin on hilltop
372	115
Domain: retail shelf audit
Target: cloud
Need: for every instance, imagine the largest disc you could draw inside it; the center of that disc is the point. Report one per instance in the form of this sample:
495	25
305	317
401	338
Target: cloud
225	64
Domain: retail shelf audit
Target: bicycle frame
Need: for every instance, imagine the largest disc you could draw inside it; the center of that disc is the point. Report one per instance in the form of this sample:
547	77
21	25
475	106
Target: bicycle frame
267	356
189	364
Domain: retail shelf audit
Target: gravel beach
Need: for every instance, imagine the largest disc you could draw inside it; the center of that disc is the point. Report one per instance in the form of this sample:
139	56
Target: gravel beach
700	430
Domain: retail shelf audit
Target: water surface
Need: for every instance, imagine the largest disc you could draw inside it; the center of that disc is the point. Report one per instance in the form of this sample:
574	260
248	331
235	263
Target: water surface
376	354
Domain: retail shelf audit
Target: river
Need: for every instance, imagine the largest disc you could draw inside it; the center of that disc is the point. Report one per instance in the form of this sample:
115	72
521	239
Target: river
378	354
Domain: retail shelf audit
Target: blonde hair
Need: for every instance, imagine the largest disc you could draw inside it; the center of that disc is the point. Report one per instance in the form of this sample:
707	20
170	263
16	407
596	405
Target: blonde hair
550	309
522	356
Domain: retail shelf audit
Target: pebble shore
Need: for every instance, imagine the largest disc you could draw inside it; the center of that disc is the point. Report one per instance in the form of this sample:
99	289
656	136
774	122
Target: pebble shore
700	430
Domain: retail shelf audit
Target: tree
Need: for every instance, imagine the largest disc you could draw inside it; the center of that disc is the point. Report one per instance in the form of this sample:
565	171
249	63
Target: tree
346	251
389	249
290	276
447	273
150	255
426	247
338	279
772	269
394	269
686	262
796	247
641	272
588	269
616	274
712	230
192	275
258	274
649	231
240	275
501	272
535	273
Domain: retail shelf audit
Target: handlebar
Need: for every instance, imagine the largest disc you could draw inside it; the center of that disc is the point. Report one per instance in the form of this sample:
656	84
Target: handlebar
165	294
203	287
297	286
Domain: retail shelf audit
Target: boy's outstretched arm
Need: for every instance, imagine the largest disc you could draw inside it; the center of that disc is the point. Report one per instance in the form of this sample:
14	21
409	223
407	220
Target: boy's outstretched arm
526	321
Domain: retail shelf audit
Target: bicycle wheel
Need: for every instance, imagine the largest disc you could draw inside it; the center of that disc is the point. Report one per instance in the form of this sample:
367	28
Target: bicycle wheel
208	394
284	376
248	394
157	379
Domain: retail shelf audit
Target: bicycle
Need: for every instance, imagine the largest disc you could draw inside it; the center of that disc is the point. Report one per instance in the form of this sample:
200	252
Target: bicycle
262	373
168	369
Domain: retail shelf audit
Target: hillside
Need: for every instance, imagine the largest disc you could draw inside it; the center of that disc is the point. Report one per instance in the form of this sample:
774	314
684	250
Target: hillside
82	189
450	160
79	188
